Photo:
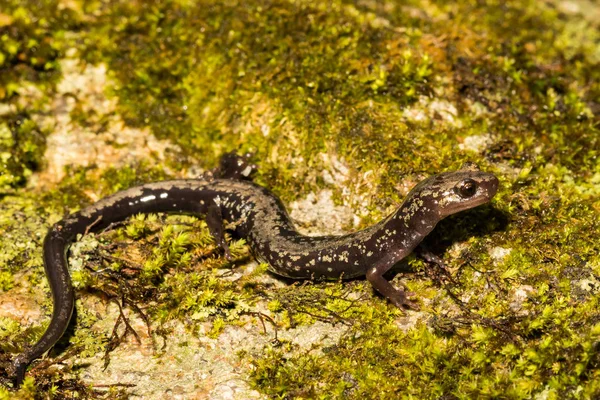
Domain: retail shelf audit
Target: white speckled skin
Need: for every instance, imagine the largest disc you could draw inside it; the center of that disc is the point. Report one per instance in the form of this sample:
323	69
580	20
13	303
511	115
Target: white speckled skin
260	217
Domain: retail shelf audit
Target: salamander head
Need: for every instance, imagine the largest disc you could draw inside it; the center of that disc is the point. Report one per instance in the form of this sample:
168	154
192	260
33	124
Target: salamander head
451	192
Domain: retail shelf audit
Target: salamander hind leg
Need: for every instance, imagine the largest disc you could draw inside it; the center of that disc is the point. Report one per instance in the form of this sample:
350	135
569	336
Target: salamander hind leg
397	297
214	221
234	166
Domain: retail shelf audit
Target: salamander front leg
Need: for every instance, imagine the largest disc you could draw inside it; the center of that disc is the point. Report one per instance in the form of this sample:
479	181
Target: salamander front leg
214	221
398	297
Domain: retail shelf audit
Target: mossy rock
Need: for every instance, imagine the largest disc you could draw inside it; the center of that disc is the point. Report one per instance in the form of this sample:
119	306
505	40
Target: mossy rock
345	103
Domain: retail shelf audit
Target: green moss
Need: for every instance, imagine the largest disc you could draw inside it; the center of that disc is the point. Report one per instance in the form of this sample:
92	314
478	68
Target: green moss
73	192
169	263
21	232
27	391
32	40
394	92
6	281
21	149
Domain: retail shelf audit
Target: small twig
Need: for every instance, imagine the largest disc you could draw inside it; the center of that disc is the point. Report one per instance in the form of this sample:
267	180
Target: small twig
90	226
128	326
112	225
111	385
129	264
325	319
260	317
482	320
143	315
45	363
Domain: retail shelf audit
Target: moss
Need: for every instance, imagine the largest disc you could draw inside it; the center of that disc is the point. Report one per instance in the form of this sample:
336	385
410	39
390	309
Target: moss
32	40
21	233
392	91
21	149
73	192
169	263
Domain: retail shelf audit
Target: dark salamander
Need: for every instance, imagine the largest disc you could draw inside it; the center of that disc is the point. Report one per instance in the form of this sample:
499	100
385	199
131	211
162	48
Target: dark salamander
260	217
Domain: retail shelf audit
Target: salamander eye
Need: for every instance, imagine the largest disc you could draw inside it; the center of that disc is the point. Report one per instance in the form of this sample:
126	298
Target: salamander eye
466	188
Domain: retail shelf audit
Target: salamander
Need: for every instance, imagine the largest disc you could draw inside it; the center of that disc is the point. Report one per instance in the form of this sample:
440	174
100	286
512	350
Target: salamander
257	215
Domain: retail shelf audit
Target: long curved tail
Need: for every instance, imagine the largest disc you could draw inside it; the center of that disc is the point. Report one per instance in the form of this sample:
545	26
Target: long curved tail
184	196
55	262
179	196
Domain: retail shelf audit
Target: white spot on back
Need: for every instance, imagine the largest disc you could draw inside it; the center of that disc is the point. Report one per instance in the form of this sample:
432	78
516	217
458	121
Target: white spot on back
247	171
148	198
